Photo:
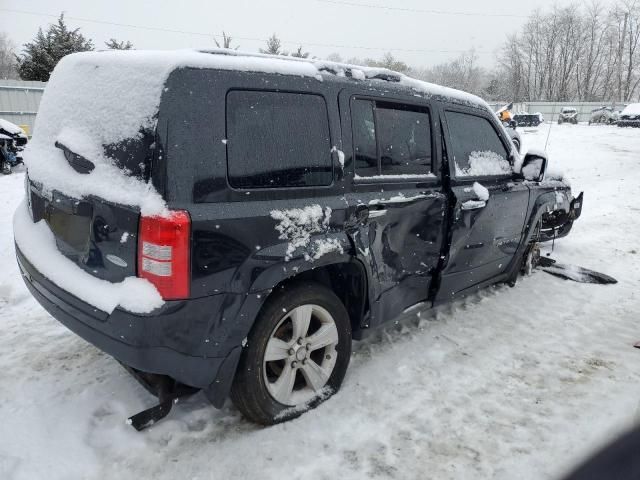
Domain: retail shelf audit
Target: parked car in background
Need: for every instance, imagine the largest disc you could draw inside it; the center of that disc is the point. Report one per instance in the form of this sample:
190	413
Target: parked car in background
332	199
568	115
524	119
514	135
604	115
630	116
12	142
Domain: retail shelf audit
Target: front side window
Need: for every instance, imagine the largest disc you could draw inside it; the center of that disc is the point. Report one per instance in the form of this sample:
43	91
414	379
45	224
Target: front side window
277	139
476	149
391	139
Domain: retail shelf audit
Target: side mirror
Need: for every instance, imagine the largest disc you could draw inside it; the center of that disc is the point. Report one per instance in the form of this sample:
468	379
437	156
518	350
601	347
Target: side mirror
533	167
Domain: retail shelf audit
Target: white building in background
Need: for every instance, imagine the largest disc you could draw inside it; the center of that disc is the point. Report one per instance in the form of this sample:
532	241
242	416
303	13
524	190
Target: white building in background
19	101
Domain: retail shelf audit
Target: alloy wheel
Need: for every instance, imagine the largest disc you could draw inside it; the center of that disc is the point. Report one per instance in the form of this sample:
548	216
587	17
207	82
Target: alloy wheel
300	355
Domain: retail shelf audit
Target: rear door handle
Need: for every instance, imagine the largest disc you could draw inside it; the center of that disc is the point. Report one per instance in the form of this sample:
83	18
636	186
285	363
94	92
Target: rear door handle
473	204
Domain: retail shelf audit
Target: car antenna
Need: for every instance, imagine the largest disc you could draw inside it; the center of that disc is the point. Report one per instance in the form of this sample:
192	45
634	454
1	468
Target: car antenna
549	131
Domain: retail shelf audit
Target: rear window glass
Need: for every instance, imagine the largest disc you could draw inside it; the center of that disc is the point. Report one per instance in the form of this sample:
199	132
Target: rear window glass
364	138
277	139
390	139
476	147
405	141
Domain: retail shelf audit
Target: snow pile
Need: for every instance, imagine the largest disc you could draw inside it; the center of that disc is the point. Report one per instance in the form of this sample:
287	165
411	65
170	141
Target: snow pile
481	191
296	225
95	99
484	163
38	245
633	109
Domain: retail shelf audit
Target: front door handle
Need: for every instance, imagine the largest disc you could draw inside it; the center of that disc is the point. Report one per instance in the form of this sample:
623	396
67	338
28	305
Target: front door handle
473	204
377	213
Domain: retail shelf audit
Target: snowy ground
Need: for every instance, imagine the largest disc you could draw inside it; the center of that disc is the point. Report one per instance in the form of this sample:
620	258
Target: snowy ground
510	383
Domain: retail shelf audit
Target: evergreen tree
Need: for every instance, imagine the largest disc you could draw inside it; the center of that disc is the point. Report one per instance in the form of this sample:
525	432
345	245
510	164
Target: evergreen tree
42	54
273	46
113	44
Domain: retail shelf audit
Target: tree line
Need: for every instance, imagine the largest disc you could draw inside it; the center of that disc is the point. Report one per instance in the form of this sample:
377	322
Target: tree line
573	53
583	53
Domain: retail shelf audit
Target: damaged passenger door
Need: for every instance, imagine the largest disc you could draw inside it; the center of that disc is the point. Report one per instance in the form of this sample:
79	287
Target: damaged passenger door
396	204
489	203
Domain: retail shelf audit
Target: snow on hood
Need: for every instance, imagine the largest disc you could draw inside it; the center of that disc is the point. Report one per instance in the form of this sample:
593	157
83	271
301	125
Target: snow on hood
633	109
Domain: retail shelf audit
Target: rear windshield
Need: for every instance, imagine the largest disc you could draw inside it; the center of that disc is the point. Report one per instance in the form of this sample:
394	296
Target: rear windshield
101	107
277	139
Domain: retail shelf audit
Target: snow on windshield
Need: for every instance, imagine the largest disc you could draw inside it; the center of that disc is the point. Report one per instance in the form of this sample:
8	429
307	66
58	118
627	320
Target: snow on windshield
484	163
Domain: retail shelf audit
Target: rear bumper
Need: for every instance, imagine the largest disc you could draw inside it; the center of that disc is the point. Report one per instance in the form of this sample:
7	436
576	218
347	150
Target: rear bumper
173	340
628	123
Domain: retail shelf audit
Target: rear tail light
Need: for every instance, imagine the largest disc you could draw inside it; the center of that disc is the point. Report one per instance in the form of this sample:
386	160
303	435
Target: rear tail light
164	253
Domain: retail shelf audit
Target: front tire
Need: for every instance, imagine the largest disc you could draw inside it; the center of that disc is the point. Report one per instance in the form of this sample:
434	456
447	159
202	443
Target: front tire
296	355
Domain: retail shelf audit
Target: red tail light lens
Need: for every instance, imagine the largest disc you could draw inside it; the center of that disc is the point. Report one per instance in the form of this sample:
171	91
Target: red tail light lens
164	253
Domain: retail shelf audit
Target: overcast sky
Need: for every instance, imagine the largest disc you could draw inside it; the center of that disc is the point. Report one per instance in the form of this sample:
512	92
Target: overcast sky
411	29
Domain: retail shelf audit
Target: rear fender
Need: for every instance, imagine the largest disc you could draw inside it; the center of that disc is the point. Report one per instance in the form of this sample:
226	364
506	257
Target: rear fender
321	250
239	315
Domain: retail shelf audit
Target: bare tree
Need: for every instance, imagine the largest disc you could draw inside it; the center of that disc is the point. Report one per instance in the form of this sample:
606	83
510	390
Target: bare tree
226	42
462	73
8	68
299	53
334	57
388	61
575	53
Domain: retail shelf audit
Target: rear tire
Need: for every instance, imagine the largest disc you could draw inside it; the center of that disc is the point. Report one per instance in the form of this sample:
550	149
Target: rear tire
296	355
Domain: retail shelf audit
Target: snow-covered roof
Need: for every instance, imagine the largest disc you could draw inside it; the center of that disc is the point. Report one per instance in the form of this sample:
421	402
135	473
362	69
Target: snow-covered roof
95	99
358	72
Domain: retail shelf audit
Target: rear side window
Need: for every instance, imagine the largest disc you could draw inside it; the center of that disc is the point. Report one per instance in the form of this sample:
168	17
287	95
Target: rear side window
390	139
277	139
476	148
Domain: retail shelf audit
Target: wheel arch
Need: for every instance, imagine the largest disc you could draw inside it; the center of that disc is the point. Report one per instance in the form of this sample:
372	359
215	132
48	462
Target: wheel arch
346	278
